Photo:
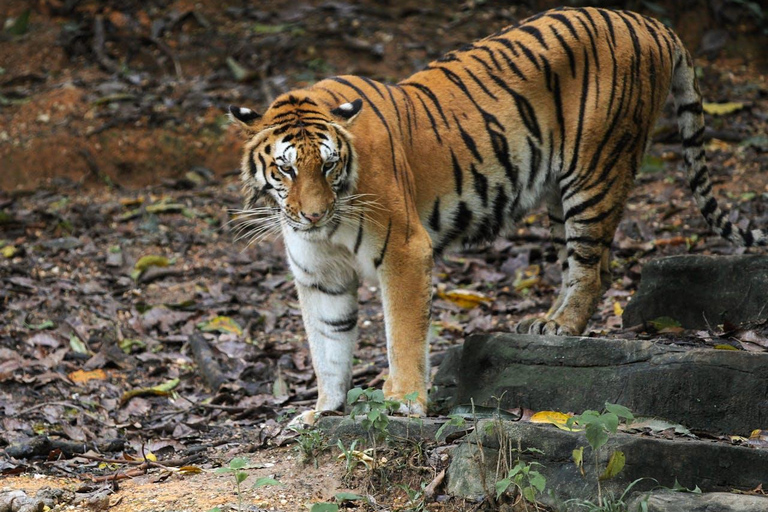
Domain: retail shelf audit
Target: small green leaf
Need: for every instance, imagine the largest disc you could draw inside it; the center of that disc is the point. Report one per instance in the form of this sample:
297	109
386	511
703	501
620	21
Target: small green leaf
353	395
620	411
665	322
596	435
265	481
537	480
167	386
241	476
238	462
502	486
47	324
411	397
578	456
615	465
324	507
348	496
77	345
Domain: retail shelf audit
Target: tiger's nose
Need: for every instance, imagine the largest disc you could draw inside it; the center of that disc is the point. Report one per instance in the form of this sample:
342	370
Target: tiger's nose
313	217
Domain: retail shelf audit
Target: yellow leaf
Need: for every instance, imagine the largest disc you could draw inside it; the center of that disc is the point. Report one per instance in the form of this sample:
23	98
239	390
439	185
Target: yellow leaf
131	201
578	458
9	251
81	376
759	434
151	261
191	470
150	456
615	465
722	109
725	347
555	418
466	299
222	324
617	309
527	277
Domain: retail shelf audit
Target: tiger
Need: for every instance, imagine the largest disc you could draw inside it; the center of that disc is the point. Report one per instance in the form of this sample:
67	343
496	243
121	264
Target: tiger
367	180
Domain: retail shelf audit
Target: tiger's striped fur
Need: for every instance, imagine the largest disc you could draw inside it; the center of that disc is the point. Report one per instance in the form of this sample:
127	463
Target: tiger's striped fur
371	180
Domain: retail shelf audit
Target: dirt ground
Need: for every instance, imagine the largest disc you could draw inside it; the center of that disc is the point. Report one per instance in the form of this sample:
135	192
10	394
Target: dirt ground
114	147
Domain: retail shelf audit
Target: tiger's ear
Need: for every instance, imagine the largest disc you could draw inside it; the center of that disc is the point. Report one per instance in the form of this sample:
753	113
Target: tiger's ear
245	118
348	111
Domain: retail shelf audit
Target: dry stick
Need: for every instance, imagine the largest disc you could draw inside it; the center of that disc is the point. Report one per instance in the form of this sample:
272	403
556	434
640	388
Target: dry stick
206	362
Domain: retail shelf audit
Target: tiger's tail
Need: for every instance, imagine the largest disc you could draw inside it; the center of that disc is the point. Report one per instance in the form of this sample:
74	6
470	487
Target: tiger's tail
690	122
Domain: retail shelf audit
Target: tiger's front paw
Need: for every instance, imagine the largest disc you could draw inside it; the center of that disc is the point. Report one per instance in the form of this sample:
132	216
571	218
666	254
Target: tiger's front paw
304	420
411	404
544	326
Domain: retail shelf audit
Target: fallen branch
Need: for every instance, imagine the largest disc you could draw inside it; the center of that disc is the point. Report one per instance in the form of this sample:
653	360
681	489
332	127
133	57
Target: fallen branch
41	446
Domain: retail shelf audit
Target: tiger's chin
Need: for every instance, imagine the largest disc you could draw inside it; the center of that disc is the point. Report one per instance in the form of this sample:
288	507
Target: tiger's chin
315	232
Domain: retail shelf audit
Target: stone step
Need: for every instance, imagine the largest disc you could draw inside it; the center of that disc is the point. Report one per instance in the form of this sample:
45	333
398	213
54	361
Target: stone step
701	291
710	466
707	502
719	391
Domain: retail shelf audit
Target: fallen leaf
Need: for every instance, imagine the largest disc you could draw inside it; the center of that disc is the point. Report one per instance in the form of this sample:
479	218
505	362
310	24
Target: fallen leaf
221	324
722	109
723	346
151	261
159	390
617	309
81	376
9	251
77	345
664	323
466	299
526	278
555	418
615	465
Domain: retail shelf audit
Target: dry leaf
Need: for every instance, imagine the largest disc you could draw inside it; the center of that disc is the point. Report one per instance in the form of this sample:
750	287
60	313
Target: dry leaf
466	299
722	109
81	376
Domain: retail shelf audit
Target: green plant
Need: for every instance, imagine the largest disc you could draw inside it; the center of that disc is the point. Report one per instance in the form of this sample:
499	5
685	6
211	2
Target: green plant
352	456
525	479
454	420
373	407
417	501
310	444
597	427
610	503
235	468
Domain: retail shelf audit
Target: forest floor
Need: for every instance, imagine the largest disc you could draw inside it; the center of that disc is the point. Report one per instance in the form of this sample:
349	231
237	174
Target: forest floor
117	244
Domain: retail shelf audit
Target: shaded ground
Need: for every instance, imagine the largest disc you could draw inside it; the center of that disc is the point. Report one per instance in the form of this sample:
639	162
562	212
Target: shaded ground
80	327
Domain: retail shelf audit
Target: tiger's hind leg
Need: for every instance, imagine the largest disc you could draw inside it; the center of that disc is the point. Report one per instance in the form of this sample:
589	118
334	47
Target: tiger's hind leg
592	211
557	232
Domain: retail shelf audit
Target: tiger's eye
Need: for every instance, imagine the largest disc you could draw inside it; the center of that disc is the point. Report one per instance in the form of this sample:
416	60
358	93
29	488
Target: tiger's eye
328	167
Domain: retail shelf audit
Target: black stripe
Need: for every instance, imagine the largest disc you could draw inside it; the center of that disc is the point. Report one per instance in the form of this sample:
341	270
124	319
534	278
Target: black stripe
529	55
697	139
709	207
434	218
431	120
567	48
512	66
726	230
694	108
582	115
481	184
699	178
606	17
344	324
377	261
587	261
535	33
468	141
359	238
592	201
461	221
749	240
426	90
535	161
562	18
458	175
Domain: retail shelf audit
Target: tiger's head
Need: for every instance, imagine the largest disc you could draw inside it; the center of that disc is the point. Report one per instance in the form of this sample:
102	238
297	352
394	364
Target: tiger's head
298	157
